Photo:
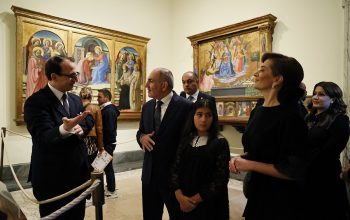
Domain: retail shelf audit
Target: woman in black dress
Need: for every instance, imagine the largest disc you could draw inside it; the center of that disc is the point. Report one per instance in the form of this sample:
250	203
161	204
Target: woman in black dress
200	173
328	134
274	143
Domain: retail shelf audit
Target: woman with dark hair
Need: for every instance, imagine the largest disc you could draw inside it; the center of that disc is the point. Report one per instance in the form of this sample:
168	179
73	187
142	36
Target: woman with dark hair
328	134
274	142
200	173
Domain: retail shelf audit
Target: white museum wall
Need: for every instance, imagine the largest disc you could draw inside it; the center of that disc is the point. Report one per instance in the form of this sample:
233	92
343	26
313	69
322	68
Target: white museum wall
311	31
148	18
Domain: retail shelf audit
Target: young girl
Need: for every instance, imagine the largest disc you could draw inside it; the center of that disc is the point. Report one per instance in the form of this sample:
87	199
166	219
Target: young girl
200	173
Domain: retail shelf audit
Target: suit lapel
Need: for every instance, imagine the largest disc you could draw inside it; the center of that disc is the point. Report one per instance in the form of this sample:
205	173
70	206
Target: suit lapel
72	106
199	96
169	112
55	102
151	116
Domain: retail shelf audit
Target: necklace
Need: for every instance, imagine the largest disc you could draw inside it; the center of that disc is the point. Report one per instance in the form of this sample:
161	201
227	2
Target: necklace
199	141
195	144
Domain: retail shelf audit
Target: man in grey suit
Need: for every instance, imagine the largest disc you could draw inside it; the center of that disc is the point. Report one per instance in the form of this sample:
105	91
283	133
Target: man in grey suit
161	125
56	121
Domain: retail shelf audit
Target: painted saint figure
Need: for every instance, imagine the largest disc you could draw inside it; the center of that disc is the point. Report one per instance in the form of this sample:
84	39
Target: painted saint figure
226	66
135	89
84	68
124	102
36	78
119	65
47	49
59	49
99	73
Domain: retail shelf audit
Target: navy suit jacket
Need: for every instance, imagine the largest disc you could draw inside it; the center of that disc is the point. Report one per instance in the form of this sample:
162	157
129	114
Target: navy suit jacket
57	164
157	163
110	114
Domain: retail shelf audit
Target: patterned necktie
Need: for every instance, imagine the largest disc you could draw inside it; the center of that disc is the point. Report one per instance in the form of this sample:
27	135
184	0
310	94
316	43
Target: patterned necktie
190	98
157	116
65	103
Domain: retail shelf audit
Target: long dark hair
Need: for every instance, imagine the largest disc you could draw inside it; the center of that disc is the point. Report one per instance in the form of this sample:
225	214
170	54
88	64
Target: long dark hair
335	93
190	130
336	108
292	72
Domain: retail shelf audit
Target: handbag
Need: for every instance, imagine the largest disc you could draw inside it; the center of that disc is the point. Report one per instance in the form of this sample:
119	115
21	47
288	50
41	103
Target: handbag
91	144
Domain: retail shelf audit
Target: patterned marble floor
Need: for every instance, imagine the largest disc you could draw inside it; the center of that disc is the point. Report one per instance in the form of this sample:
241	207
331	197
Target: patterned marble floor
128	206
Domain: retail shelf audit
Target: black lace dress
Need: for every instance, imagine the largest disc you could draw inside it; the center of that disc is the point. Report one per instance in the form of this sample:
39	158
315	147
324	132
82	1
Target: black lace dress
204	170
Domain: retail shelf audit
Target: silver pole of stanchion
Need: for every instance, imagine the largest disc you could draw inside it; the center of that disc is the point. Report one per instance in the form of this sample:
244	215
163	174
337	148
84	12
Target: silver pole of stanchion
98	195
2	151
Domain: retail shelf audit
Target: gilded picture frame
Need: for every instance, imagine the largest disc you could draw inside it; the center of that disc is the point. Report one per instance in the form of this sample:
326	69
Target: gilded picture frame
104	58
236	109
226	58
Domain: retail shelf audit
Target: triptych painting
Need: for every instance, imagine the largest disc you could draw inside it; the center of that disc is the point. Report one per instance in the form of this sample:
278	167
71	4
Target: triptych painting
104	58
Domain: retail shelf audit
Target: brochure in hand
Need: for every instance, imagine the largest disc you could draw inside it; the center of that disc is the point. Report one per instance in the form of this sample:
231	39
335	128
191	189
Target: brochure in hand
101	161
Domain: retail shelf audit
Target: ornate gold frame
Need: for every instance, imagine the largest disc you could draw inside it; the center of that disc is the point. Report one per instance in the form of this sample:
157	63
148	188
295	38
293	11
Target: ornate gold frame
238	119
250	39
30	22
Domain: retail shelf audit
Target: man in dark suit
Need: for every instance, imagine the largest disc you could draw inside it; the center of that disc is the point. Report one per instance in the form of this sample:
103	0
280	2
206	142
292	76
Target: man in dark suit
56	121
191	92
161	124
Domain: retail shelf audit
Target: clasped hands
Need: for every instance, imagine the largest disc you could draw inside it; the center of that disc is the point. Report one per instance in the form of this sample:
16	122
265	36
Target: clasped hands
72	124
238	164
187	204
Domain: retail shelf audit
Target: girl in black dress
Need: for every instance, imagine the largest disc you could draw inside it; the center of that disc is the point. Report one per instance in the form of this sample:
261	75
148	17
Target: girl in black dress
200	173
274	142
328	134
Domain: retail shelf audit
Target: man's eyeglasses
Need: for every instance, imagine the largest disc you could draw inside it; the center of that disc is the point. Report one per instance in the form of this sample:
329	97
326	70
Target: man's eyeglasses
73	75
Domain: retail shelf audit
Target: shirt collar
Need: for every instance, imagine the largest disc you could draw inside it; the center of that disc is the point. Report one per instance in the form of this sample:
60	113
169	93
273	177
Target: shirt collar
166	100
195	95
105	104
57	92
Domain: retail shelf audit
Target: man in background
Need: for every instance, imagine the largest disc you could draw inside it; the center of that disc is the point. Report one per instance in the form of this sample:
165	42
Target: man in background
190	84
57	121
110	114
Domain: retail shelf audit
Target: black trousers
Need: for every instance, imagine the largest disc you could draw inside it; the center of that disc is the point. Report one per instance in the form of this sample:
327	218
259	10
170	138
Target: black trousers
154	196
109	170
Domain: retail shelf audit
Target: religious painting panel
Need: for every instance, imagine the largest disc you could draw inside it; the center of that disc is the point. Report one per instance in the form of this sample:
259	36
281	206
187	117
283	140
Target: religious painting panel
94	50
226	59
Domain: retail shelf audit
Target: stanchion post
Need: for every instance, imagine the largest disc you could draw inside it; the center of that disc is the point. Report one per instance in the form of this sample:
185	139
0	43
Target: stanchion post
2	152
98	195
